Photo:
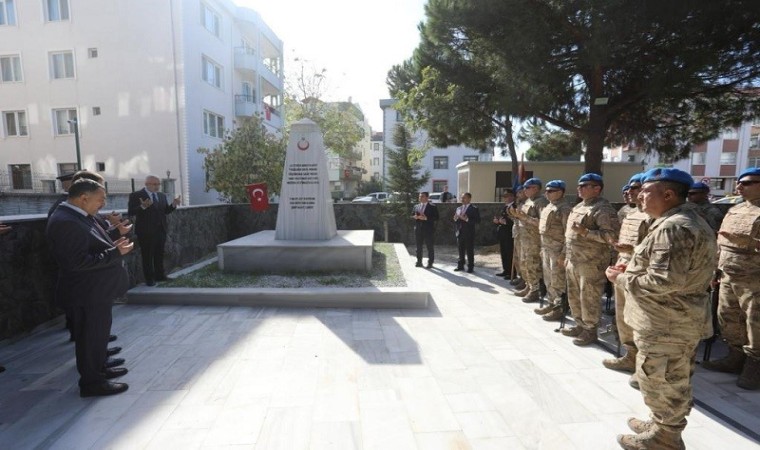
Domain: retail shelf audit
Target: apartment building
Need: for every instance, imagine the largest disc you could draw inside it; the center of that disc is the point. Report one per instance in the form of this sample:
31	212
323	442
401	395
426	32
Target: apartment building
440	162
131	88
373	158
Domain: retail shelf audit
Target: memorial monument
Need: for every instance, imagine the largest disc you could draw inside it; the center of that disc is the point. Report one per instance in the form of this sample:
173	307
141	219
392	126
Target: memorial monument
305	238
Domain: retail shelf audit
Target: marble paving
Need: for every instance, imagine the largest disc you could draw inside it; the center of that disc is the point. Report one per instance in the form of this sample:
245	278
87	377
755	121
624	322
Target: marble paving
475	370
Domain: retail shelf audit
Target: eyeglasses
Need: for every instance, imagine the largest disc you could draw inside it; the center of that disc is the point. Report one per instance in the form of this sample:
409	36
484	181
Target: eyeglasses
748	182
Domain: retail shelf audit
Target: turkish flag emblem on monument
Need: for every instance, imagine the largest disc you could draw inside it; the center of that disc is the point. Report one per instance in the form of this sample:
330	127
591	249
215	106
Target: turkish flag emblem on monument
259	198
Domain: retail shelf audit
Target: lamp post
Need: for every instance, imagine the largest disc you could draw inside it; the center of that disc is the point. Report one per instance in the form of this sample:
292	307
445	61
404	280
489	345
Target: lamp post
76	141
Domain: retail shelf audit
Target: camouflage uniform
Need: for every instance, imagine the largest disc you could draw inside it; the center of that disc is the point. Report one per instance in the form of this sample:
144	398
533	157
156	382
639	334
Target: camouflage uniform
739	305
516	238
711	213
632	231
552	229
587	258
624	211
530	256
666	285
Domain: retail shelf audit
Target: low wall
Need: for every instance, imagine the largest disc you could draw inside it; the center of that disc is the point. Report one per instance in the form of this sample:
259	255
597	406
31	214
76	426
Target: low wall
28	272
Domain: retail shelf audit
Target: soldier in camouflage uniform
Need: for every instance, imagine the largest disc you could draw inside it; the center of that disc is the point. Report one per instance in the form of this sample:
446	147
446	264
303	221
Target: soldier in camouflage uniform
633	229
530	256
552	226
739	298
630	203
698	194
518	282
591	229
666	284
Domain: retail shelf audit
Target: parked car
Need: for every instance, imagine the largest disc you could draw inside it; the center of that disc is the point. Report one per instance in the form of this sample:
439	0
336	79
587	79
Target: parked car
435	197
375	196
730	199
365	199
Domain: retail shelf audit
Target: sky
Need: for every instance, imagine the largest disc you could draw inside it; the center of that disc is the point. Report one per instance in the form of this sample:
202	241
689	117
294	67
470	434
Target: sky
356	41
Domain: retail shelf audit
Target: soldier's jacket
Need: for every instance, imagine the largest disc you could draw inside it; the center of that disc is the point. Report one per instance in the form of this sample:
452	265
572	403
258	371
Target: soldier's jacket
633	229
532	208
711	213
515	222
667	278
624	211
739	259
600	219
552	224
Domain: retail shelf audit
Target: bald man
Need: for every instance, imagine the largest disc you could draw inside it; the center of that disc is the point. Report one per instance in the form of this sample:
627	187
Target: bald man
149	208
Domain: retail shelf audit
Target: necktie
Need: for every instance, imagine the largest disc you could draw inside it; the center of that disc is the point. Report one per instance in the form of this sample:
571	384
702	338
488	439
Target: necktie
155	197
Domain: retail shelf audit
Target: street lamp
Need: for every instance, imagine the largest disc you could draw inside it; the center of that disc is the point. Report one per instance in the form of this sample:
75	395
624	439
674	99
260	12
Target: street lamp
76	141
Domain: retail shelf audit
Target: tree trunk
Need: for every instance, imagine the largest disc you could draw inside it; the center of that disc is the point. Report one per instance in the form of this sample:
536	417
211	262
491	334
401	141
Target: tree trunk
597	131
512	149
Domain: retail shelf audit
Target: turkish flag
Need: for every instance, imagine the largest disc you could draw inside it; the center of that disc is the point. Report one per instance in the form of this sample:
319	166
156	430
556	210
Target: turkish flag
259	198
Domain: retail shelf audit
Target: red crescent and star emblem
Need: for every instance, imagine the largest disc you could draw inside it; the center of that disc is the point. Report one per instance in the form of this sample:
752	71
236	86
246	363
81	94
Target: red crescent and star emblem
303	144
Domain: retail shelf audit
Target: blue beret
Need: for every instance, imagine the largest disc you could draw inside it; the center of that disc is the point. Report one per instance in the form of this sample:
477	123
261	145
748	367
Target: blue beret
532	182
668	174
699	186
625	187
556	184
636	178
519	188
755	171
593	177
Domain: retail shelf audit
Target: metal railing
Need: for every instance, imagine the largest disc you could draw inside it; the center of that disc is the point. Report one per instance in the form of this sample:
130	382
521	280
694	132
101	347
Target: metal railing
46	183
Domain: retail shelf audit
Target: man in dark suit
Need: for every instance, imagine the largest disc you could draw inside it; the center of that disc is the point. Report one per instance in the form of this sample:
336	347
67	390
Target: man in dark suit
465	217
504	233
149	208
91	275
425	215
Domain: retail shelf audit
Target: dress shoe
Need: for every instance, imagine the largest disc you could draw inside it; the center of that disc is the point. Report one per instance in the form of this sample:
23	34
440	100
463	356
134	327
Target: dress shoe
113	351
113	362
459	269
500	274
429	266
419	264
115	372
102	389
112	338
469	270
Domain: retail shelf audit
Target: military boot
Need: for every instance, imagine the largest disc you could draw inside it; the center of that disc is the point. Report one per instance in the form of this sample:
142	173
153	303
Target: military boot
651	439
574	331
554	315
587	337
546	309
515	281
532	297
523	292
750	376
732	363
633	381
626	363
639	426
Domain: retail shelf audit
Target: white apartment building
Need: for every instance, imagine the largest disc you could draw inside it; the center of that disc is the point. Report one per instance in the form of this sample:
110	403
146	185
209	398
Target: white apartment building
440	162
373	158
147	82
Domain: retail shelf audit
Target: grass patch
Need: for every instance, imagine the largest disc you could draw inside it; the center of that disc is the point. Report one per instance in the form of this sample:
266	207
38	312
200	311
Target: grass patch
386	272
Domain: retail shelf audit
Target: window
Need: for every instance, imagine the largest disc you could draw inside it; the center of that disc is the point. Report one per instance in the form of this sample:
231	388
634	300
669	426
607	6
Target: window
754	162
100	166
440	162
7	12
698	159
210	20
727	158
754	140
376	176
15	123
62	121
439	185
375	161
10	68
717	183
62	65
213	125
21	176
470	158
92	52
212	73
64	168
56	10
398	117
376	146
96	110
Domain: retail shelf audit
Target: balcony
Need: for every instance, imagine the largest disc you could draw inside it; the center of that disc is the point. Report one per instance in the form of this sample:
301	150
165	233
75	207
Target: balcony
245	105
245	59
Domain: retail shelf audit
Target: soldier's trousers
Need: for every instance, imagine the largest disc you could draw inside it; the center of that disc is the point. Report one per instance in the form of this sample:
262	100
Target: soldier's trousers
625	332
663	368
739	313
585	284
516	238
554	274
530	262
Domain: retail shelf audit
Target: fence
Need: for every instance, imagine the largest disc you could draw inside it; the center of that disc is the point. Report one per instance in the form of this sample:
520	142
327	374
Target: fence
21	181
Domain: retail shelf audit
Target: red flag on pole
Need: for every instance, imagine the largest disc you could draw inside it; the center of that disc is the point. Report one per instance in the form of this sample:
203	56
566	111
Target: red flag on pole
257	193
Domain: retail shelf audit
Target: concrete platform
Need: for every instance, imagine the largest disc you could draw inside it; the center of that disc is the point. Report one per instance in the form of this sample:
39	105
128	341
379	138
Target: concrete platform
349	250
413	295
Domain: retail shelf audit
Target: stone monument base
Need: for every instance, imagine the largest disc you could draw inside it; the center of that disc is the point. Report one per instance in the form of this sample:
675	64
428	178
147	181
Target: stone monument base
349	250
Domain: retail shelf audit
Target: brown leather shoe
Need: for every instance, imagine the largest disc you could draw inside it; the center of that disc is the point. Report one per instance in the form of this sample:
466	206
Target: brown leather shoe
574	331
587	337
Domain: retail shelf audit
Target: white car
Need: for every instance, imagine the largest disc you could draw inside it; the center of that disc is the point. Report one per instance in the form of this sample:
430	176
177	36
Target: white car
435	197
365	199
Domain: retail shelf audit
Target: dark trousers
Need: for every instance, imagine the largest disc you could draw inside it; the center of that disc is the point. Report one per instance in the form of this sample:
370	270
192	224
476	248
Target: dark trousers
425	237
152	250
91	329
506	247
466	246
